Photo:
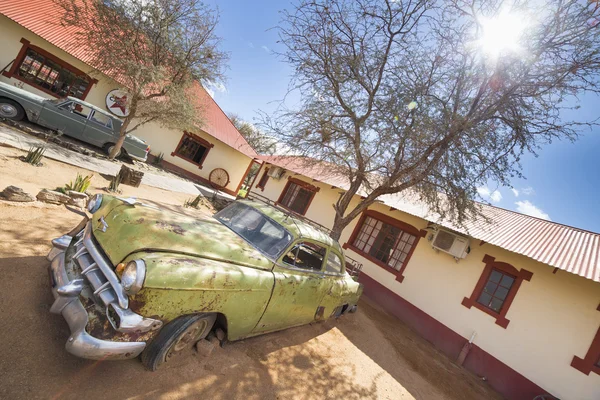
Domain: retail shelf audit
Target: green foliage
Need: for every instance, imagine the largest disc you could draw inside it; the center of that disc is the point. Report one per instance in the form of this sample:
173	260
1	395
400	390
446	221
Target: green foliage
34	155
193	202
81	184
114	183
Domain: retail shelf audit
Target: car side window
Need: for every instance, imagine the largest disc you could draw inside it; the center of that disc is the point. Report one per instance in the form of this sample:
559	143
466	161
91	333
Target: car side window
334	263
306	255
68	106
101	119
81	110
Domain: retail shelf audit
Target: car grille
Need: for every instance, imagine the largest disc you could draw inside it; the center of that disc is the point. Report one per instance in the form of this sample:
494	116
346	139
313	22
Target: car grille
97	269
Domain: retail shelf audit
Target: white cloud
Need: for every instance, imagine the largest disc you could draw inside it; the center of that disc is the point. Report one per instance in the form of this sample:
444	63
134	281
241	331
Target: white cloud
265	48
528	191
486	193
515	192
526	207
213	87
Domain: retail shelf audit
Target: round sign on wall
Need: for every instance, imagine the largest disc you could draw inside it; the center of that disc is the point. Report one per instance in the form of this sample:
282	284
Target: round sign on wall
117	102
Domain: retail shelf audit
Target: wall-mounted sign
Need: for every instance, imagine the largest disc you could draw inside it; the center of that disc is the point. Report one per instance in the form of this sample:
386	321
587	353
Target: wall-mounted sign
117	102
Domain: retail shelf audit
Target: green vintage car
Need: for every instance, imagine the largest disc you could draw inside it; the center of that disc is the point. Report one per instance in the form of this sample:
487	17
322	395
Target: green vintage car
71	116
137	279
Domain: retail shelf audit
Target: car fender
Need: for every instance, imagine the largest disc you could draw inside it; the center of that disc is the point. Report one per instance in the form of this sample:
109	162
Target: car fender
177	284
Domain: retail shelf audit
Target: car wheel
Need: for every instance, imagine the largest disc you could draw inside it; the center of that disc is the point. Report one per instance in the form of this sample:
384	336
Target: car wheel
108	147
11	110
177	337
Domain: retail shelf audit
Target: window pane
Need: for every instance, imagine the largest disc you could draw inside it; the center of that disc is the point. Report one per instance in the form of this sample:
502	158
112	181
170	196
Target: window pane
199	154
496	304
507	281
490	287
300	203
78	87
309	256
501	293
485	299
101	119
334	264
264	234
495	276
191	149
81	110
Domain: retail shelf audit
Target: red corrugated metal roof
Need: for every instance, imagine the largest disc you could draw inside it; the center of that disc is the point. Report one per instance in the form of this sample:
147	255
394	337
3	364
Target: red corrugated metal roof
42	17
571	249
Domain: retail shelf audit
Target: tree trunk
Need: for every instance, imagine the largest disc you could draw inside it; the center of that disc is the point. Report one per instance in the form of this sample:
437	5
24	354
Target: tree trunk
123	131
117	147
337	229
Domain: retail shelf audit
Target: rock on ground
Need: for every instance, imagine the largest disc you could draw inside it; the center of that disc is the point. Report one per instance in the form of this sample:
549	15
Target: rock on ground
14	193
53	197
77	199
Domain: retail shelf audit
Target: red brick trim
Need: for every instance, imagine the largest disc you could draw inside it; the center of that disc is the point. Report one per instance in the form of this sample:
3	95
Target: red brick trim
197	138
508	382
313	189
264	176
391	221
491	263
12	72
590	362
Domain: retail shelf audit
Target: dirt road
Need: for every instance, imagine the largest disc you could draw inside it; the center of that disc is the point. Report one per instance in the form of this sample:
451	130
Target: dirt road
367	355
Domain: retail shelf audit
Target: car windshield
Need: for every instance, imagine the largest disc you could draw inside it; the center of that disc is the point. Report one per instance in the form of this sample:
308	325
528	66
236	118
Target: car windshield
262	232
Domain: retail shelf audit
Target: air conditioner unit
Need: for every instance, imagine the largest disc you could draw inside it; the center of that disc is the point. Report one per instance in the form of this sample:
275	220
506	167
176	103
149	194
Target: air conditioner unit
276	172
451	243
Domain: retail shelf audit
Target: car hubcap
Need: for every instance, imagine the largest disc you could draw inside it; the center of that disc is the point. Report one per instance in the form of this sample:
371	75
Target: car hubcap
8	111
187	339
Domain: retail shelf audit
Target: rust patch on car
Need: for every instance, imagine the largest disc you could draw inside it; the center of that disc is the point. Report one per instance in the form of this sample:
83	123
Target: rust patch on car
171	227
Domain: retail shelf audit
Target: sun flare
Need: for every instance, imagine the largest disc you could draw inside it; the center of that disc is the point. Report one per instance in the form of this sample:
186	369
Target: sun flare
501	34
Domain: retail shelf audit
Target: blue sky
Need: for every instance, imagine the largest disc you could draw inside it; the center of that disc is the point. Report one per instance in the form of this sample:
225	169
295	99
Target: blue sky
563	182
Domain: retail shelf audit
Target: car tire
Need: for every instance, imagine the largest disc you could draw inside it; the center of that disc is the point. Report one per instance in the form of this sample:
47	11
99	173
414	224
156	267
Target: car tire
179	335
11	109
108	148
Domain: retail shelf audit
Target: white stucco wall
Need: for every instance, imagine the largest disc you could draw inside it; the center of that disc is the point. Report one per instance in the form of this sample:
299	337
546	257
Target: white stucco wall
552	318
160	139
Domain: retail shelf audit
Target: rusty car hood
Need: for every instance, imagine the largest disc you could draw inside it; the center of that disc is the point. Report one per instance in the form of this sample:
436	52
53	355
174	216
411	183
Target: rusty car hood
135	228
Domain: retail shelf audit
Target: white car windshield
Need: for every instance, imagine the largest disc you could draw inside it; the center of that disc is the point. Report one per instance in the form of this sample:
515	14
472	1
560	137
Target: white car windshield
262	232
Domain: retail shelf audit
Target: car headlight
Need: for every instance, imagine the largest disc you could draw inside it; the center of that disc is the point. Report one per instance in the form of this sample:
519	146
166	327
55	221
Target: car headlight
133	276
94	203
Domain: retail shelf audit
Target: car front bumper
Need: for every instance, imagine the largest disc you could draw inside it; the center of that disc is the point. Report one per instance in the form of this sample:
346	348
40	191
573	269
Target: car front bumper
67	286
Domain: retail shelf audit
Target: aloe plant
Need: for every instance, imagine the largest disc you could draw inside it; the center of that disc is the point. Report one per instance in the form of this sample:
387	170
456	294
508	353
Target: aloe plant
34	155
194	202
81	184
114	183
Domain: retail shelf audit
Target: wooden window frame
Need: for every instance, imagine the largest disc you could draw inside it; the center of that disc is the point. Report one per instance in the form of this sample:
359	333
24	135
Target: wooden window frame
386	219
313	189
592	358
197	138
13	71
491	264
264	176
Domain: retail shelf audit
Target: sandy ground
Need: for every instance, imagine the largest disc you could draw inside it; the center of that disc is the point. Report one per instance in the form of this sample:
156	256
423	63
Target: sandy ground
367	355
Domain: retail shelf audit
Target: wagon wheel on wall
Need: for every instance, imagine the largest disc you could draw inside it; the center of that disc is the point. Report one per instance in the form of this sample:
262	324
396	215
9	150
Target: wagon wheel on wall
219	178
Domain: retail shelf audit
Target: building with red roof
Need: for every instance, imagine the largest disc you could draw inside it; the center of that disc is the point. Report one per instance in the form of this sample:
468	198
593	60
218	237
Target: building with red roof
39	55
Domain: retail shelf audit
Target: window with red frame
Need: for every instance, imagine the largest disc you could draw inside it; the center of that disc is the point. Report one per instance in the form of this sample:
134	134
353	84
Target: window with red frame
387	243
496	290
51	75
297	197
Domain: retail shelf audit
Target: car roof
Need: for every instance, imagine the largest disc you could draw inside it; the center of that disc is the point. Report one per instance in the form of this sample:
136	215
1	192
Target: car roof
296	226
93	107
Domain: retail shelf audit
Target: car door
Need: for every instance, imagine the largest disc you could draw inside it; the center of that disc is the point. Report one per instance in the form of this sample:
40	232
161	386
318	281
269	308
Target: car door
300	286
68	117
334	299
99	129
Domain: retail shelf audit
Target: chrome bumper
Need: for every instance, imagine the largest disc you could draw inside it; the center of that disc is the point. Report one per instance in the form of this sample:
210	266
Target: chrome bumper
67	302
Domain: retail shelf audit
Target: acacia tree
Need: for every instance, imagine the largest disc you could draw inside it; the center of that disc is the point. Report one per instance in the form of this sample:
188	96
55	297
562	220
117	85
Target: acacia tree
431	98
157	49
262	143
